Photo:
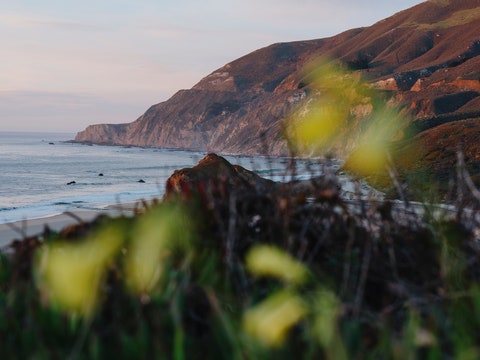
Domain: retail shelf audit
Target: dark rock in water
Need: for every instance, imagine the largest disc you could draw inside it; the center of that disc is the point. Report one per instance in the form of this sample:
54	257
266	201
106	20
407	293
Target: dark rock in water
141	181
101	174
71	182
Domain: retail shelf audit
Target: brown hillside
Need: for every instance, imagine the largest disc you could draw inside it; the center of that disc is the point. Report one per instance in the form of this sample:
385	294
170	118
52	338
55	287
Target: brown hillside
426	58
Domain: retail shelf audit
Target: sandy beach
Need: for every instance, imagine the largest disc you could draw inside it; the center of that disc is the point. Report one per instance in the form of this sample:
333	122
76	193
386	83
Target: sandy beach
31	227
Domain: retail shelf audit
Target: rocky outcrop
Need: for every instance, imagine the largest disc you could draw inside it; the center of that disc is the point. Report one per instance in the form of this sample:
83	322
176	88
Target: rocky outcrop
214	172
215	177
102	134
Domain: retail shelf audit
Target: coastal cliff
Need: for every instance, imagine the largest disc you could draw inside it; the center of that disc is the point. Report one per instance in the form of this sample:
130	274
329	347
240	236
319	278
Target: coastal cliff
236	109
425	59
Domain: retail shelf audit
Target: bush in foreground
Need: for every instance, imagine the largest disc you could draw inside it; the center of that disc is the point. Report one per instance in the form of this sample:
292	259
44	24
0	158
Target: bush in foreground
214	272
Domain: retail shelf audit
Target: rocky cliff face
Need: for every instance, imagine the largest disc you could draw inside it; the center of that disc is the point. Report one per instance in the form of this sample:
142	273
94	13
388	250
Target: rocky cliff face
236	109
426	58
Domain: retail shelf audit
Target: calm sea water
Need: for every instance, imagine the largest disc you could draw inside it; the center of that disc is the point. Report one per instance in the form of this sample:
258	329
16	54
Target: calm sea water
35	169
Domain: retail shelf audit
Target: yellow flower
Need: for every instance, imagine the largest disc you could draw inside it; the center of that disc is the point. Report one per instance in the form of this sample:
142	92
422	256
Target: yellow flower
326	311
344	114
270	321
314	131
158	234
70	274
368	158
317	125
265	260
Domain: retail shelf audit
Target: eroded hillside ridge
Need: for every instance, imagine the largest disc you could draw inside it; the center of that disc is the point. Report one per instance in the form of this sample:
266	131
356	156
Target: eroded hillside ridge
425	58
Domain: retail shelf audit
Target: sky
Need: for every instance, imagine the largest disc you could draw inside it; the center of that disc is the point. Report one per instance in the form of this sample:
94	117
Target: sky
68	64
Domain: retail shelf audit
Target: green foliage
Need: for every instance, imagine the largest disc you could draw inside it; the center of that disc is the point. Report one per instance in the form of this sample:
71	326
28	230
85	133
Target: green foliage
409	289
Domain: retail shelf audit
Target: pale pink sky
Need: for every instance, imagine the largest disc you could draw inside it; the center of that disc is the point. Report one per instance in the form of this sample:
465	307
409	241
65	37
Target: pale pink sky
65	64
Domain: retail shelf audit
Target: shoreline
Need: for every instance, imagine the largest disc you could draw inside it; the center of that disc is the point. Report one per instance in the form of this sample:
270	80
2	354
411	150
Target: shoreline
20	229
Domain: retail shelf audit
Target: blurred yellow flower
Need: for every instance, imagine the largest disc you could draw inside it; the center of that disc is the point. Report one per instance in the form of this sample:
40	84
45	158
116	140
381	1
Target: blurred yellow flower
315	126
158	234
270	321
368	158
329	76
326	311
70	274
314	131
344	114
266	260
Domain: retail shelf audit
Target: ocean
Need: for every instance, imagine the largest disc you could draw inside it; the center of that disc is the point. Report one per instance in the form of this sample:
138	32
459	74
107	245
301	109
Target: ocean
36	168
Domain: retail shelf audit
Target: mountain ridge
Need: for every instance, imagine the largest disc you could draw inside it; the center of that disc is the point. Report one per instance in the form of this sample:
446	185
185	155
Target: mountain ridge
425	58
